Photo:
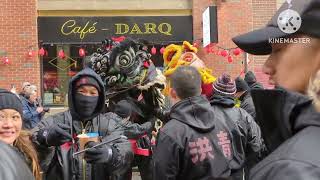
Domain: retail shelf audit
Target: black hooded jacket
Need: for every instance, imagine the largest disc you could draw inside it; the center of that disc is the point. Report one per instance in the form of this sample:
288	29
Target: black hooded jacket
247	104
188	146
246	137
291	129
57	161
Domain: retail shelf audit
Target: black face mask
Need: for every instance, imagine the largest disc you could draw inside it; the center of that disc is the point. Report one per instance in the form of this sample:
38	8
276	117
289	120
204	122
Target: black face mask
85	105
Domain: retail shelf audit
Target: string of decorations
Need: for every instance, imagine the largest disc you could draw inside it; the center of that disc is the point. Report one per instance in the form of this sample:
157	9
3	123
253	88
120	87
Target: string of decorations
210	49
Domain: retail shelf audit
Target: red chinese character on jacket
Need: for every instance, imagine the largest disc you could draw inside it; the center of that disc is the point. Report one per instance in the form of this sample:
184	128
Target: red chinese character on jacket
200	150
224	142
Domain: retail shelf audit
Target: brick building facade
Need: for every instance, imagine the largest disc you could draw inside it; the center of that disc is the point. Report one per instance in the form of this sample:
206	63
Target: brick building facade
18	35
19	29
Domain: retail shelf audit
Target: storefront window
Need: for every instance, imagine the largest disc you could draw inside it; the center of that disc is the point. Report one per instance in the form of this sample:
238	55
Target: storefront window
57	72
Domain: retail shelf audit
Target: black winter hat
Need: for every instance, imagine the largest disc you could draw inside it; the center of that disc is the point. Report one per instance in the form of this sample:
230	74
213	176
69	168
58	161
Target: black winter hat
8	100
87	80
241	84
250	78
123	109
257	42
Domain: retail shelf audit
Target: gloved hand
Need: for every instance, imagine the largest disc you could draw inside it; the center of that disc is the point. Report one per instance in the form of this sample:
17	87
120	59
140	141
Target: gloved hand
55	135
144	142
101	154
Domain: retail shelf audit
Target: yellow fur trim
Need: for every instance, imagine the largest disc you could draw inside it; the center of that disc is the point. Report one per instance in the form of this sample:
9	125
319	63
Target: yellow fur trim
171	55
189	48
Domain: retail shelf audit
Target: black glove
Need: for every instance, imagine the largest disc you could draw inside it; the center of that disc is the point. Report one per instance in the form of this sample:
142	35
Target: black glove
55	135
101	154
144	142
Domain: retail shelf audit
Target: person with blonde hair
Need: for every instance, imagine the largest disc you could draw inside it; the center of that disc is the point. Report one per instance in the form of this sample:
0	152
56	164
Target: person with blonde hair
32	114
11	132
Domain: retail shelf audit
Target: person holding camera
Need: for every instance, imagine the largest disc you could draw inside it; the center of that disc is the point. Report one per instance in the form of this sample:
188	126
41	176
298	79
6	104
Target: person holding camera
32	112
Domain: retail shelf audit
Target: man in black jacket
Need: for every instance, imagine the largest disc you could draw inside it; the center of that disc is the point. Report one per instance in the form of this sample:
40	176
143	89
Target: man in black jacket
251	79
194	144
55	135
246	135
288	120
243	94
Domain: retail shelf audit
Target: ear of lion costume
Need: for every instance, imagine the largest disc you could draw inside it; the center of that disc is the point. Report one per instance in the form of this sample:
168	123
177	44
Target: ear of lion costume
185	55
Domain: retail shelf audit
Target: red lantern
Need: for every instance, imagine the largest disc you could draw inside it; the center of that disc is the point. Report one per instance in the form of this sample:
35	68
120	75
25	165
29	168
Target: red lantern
224	53
6	60
82	52
153	50
230	59
237	51
208	49
61	54
162	50
42	52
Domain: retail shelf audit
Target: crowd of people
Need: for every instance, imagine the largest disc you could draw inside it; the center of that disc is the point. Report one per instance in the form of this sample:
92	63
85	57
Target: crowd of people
272	135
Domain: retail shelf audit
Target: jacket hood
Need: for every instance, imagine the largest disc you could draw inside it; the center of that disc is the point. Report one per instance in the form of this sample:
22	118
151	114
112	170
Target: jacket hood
286	113
100	107
196	112
222	100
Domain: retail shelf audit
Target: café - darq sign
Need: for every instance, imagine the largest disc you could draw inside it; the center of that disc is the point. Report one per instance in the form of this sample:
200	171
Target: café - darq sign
95	29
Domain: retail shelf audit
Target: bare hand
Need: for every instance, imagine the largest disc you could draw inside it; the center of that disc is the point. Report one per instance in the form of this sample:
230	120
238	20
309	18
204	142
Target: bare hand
39	109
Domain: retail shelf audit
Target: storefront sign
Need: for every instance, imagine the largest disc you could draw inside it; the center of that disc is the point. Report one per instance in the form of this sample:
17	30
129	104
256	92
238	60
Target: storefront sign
95	29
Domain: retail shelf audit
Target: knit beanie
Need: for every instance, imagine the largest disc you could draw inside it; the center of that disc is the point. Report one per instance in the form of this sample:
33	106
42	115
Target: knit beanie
250	78
241	85
9	100
87	80
225	85
123	109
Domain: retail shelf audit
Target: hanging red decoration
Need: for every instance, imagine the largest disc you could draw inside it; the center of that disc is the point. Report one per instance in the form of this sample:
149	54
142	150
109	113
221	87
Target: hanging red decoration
162	50
208	49
118	39
42	52
61	54
6	60
82	52
237	51
224	53
46	53
153	50
230	59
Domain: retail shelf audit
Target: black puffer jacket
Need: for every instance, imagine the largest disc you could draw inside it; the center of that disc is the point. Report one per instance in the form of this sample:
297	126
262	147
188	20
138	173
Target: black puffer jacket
291	128
247	138
57	162
247	104
189	146
12	166
127	128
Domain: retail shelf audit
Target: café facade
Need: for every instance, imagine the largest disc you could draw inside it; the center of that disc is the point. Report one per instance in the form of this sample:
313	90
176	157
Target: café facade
71	25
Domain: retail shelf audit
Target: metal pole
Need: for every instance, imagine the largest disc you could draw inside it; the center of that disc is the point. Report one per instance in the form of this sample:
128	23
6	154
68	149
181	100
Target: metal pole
245	62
